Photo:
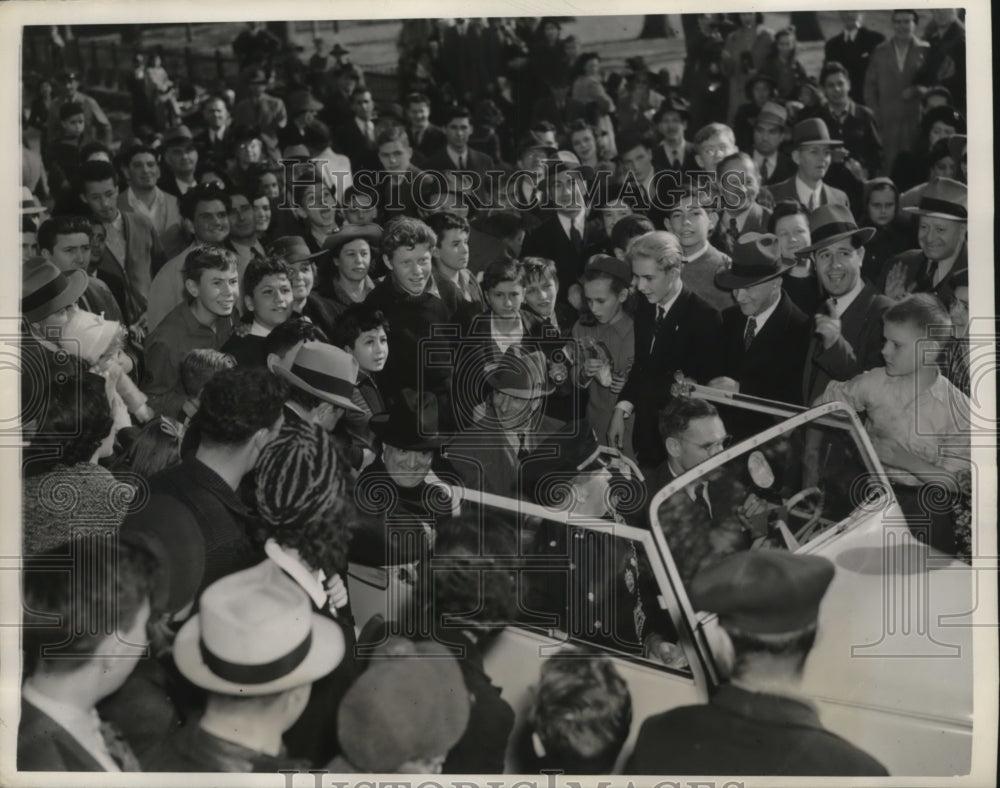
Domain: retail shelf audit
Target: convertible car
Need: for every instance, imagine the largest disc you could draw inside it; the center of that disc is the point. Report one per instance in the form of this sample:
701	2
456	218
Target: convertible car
891	669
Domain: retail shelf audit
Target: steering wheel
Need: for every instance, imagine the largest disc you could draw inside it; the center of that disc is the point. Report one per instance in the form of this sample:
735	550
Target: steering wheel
812	517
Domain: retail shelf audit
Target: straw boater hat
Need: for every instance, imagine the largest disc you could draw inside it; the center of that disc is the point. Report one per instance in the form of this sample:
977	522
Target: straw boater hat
89	335
944	198
292	249
255	634
829	224
322	370
756	260
45	289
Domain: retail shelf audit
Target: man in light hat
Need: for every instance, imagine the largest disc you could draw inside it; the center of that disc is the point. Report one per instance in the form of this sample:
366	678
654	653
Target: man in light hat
943	223
766	335
773	164
847	334
812	153
256	647
322	381
768	605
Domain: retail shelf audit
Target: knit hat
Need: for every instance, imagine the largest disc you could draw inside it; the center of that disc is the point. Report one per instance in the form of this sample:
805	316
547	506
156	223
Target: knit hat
411	703
297	476
88	335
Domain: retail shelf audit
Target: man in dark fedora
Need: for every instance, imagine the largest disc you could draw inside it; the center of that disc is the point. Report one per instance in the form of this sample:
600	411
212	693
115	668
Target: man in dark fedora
768	604
256	647
48	301
773	164
765	335
302	109
261	110
322	379
943	216
673	151
812	153
847	334
302	265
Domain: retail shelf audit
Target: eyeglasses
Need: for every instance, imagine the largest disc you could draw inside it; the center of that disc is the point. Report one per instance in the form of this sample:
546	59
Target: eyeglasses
723	443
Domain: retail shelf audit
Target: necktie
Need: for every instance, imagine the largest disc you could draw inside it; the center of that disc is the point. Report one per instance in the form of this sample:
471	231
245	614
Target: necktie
461	162
118	748
661	315
764	172
574	236
734	230
749	332
932	267
811	206
701	498
522	446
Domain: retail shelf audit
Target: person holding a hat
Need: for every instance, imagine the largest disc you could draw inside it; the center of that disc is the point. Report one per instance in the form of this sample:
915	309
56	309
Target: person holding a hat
847	332
404	713
94	634
768	605
256	648
766	335
890	85
943	218
812	153
180	159
769	127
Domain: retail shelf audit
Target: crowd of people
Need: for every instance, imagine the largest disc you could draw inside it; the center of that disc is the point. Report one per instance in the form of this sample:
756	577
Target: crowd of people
269	333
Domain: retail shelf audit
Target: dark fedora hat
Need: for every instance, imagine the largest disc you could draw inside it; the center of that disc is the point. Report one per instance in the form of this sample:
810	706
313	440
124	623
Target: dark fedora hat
339	51
303	101
521	374
352	232
45	289
180	136
756	259
756	77
944	198
412	422
673	102
292	249
812	131
829	224
256	76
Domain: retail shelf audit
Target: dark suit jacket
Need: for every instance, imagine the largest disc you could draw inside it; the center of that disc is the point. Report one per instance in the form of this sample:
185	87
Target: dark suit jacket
43	745
550	240
917	278
216	153
743	732
854	56
432	140
785	190
784	169
356	146
688	162
858	348
689	339
475	161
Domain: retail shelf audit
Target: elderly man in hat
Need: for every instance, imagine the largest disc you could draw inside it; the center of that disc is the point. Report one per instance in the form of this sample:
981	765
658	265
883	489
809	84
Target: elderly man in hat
847	333
773	164
180	159
256	647
766	335
943	223
261	110
768	606
813	154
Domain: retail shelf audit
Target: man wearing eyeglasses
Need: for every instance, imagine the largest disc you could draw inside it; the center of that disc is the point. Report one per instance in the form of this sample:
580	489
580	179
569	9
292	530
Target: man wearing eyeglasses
698	522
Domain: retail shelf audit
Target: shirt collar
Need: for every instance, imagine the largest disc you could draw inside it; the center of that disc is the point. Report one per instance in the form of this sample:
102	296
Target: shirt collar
84	726
577	221
257	330
844	301
803	190
670	302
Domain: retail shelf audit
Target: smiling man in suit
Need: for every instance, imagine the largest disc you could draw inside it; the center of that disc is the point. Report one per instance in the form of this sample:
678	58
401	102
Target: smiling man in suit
675	331
848	332
455	154
773	164
813	154
766	335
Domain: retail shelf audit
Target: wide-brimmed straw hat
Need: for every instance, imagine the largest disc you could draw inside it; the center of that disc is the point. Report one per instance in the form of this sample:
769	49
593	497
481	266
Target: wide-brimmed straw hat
944	198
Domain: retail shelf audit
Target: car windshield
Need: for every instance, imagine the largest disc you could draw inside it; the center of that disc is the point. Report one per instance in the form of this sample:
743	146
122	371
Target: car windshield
781	489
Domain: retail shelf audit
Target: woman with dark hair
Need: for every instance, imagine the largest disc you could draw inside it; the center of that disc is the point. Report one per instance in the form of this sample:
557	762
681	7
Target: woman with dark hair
940	163
783	66
66	489
937	123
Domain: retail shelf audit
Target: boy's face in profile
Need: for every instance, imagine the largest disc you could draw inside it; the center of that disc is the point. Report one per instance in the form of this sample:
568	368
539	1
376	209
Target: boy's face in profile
411	267
900	349
505	299
453	249
353	260
73	126
371	349
540	296
271	300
